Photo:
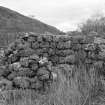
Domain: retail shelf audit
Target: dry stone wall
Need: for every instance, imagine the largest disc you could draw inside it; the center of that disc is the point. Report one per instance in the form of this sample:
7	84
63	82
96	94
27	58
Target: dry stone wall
30	61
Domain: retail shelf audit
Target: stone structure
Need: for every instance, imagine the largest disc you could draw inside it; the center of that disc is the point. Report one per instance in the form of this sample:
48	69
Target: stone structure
32	61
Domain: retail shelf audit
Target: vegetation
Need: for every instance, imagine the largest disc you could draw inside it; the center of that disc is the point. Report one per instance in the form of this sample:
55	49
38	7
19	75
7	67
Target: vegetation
93	24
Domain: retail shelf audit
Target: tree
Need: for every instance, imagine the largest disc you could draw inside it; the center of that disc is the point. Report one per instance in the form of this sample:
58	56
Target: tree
94	24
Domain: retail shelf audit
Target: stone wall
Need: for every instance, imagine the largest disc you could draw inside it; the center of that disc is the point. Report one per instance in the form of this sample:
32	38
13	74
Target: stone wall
36	61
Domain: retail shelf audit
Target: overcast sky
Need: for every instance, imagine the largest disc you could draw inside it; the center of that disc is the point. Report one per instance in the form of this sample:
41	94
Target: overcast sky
63	14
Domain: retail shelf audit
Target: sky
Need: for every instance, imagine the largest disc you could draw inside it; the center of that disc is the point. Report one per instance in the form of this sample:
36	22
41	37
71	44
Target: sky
65	15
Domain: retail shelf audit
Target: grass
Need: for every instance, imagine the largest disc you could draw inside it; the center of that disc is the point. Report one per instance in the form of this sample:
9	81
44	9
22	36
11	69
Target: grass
82	87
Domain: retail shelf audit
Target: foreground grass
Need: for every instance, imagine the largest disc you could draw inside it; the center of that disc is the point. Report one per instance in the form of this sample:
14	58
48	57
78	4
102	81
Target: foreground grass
80	86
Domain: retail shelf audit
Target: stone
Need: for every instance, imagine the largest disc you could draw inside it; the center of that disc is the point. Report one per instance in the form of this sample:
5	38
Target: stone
53	45
99	40
34	67
43	73
48	38
101	55
4	71
51	51
34	57
39	39
44	77
64	53
2	53
21	82
45	50
35	45
64	45
7	51
5	84
26	52
55	38
12	75
70	59
16	66
36	85
89	47
26	72
62	60
24	61
43	60
33	79
76	47
54	59
23	45
14	58
64	38
44	45
31	38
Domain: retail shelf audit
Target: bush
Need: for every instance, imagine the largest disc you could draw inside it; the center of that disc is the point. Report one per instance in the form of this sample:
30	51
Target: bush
93	25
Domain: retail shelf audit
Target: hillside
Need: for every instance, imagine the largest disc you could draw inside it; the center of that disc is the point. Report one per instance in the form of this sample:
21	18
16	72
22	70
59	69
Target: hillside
11	21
